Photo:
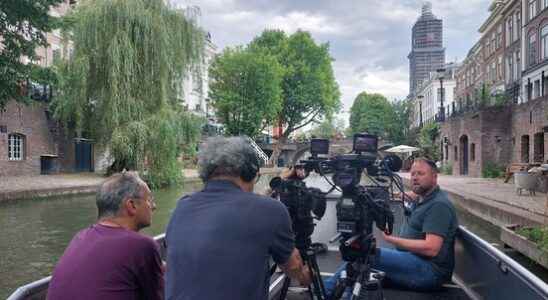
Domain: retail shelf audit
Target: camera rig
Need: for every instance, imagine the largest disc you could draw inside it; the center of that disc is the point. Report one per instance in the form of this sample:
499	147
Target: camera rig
359	207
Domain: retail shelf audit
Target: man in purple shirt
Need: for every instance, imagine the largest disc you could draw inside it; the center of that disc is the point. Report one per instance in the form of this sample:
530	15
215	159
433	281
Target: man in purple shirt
110	259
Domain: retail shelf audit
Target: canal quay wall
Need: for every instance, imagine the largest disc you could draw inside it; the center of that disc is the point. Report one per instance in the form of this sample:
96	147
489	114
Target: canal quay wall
493	200
44	186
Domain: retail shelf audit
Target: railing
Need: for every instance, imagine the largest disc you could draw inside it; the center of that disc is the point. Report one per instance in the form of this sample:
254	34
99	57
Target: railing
259	151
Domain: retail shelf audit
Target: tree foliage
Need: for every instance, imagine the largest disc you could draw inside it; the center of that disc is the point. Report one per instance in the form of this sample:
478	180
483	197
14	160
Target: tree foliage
329	128
309	89
427	140
120	87
22	28
245	90
372	113
401	133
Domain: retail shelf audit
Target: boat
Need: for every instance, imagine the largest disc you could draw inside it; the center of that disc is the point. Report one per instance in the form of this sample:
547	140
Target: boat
481	271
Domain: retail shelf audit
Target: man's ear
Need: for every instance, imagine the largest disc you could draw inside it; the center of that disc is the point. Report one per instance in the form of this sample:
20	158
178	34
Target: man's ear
130	207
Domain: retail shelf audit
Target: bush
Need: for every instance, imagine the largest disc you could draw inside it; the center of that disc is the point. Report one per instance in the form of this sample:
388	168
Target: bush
492	170
537	235
447	169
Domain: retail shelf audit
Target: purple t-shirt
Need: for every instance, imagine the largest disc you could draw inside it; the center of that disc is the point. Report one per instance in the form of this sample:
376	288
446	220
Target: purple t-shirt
108	263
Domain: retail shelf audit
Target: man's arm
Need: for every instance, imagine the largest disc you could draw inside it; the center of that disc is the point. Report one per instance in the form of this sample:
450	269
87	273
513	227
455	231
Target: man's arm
295	269
428	247
151	273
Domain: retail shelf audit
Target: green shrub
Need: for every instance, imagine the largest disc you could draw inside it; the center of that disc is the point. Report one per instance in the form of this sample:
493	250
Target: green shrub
492	170
537	235
447	169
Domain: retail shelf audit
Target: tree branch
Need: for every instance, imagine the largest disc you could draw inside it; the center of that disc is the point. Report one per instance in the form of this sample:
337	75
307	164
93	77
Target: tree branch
288	131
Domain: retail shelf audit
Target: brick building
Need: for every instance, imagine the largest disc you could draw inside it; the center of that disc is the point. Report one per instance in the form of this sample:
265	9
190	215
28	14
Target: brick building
483	133
493	45
30	141
469	77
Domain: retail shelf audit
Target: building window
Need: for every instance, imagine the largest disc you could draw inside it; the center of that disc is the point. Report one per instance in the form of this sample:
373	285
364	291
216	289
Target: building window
536	90
544	42
532	9
472	152
16	147
532	48
499	68
499	36
455	153
510	69
493	43
518	65
509	30
517	28
544	4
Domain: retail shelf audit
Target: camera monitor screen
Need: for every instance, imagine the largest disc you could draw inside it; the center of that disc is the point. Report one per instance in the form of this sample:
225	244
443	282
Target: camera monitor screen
365	143
319	146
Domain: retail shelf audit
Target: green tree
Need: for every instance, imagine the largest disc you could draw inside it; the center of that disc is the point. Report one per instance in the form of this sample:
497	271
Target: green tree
427	140
309	89
245	90
22	28
372	113
400	132
120	87
328	128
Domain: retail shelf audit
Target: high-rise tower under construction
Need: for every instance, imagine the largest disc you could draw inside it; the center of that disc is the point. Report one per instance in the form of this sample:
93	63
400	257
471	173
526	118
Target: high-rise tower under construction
427	51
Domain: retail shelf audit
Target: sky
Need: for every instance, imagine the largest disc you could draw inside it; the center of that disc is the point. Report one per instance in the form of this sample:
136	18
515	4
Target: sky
369	39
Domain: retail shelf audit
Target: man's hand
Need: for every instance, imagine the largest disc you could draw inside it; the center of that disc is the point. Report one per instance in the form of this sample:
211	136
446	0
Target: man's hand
295	269
410	195
305	279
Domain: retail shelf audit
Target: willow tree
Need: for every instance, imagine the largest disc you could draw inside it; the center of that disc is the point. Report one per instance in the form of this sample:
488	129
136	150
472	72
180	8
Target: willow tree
121	85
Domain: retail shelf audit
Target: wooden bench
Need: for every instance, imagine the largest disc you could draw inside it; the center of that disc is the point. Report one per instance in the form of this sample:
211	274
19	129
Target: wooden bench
513	168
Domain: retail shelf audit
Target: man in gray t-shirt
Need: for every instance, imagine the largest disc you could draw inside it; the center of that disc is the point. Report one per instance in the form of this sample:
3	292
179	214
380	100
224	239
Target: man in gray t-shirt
219	240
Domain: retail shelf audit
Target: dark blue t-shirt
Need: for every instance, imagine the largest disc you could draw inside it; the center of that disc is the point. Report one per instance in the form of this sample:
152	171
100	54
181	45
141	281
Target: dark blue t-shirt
219	242
435	214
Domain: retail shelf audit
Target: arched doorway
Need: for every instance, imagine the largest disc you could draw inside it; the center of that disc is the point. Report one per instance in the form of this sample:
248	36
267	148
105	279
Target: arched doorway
464	155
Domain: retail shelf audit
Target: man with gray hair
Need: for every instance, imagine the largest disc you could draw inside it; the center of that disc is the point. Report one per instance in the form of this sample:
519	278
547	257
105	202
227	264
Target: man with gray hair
219	240
110	259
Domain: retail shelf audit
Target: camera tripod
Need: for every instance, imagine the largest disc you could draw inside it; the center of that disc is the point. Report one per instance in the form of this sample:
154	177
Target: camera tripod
359	250
317	289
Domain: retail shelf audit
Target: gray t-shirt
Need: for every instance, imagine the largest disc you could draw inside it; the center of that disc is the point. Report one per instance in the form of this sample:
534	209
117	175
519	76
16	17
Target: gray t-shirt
219	242
435	214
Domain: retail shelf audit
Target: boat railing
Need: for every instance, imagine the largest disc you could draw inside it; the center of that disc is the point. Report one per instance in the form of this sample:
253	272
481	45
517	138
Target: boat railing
483	271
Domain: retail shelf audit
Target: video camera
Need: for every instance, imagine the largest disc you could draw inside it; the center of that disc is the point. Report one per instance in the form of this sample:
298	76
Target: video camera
303	204
359	206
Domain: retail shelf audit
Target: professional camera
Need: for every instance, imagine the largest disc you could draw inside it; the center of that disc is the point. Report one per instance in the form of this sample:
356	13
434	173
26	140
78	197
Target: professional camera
360	205
303	203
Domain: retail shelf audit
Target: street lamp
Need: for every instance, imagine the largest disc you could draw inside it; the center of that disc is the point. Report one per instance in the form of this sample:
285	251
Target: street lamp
441	73
420	110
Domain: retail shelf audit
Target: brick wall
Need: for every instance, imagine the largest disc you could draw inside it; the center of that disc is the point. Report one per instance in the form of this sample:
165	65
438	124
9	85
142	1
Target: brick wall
488	140
31	122
529	119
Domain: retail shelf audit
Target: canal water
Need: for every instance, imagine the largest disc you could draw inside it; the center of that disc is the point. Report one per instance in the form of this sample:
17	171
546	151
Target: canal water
34	233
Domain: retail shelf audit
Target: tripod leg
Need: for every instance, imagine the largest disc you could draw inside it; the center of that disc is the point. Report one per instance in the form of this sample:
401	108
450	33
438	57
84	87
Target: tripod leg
317	281
285	286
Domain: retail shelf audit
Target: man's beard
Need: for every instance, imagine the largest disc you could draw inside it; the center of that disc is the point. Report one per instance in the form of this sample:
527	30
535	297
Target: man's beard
420	190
